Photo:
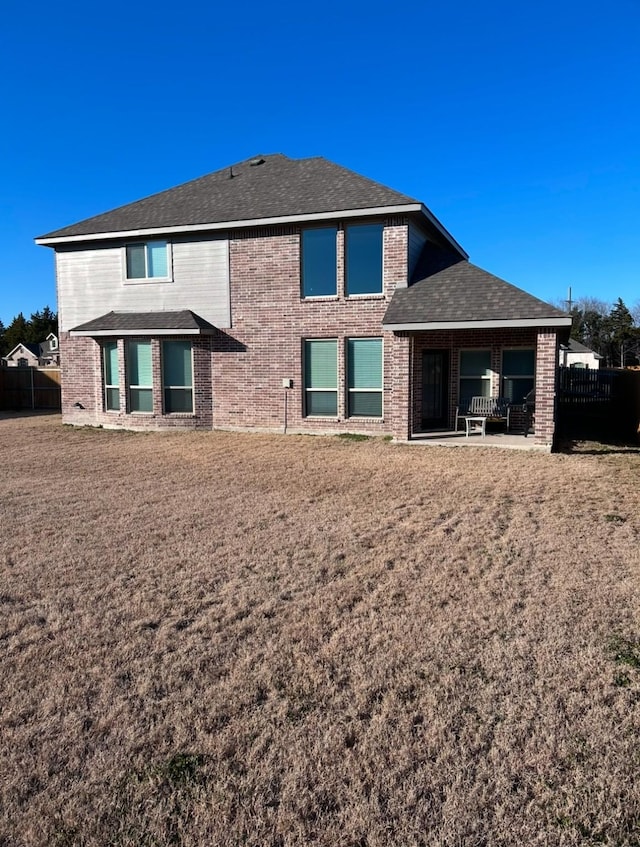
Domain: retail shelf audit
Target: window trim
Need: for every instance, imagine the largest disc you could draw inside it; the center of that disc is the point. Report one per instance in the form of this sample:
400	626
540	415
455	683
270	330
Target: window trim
488	377
349	391
306	390
179	387
146	280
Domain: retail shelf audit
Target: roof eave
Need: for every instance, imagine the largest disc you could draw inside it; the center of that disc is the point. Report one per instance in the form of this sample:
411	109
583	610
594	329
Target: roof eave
488	324
100	333
403	208
442	230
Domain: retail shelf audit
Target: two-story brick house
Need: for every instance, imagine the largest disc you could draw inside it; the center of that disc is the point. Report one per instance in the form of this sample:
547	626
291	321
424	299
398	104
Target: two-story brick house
289	294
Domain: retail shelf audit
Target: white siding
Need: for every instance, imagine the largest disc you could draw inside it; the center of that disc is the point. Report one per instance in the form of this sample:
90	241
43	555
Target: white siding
588	359
90	283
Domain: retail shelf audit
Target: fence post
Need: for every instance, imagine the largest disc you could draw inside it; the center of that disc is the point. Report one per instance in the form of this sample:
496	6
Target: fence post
33	394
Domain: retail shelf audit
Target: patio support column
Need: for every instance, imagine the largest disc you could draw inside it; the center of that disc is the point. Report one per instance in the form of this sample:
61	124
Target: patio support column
546	369
401	394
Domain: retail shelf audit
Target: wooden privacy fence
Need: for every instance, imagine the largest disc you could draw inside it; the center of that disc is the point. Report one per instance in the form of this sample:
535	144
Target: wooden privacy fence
29	388
603	404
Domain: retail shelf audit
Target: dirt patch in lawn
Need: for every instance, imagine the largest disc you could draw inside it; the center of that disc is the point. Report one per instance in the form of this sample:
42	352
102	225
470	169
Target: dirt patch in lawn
228	639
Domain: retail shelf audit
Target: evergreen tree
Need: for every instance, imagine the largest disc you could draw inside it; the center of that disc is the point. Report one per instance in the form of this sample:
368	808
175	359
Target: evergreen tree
620	329
41	324
17	332
587	322
594	331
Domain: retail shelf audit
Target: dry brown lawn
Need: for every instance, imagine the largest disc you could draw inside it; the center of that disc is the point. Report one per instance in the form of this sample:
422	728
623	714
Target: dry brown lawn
228	639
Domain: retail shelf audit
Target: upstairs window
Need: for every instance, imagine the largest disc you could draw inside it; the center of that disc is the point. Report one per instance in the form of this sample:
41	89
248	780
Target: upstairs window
147	260
319	262
140	376
111	379
177	376
321	378
475	374
518	374
363	272
364	377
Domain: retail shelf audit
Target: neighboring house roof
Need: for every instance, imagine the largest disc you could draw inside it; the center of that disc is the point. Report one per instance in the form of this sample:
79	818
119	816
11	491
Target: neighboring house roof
49	346
140	323
573	346
264	189
463	295
23	347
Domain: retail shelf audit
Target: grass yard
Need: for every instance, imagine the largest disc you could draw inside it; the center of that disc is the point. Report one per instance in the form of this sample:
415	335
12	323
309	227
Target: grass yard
228	639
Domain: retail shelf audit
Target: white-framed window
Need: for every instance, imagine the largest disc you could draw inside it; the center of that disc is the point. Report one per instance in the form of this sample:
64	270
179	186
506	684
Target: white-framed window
318	262
518	374
139	376
320	366
177	376
364	377
147	261
475	374
110	375
363	259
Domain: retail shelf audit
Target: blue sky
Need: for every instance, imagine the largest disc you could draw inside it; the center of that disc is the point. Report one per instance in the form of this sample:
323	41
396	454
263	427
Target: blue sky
517	124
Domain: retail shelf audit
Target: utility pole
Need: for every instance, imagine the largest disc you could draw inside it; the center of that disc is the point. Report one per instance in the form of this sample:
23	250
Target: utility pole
569	301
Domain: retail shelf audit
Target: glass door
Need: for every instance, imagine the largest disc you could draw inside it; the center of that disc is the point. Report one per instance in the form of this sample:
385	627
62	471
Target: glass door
435	389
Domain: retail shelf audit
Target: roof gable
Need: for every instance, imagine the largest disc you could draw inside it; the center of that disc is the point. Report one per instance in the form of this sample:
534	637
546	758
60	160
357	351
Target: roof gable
24	349
264	187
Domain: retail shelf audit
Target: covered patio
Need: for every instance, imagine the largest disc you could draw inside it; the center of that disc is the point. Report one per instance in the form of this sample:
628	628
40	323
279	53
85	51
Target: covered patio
468	333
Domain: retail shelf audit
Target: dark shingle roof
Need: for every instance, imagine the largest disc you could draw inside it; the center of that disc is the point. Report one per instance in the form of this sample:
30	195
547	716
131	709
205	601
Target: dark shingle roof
574	346
128	322
464	292
277	186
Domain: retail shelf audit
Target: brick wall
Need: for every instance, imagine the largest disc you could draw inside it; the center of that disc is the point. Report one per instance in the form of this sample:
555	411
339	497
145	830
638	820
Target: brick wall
238	372
81	365
270	320
547	352
543	341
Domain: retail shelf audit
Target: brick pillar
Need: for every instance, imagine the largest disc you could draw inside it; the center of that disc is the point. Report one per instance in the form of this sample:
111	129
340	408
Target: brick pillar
81	379
401	370
546	370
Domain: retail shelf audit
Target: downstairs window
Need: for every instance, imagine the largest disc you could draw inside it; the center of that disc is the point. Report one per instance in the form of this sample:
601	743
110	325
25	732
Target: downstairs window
111	377
140	376
518	374
364	377
177	376
475	375
321	378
